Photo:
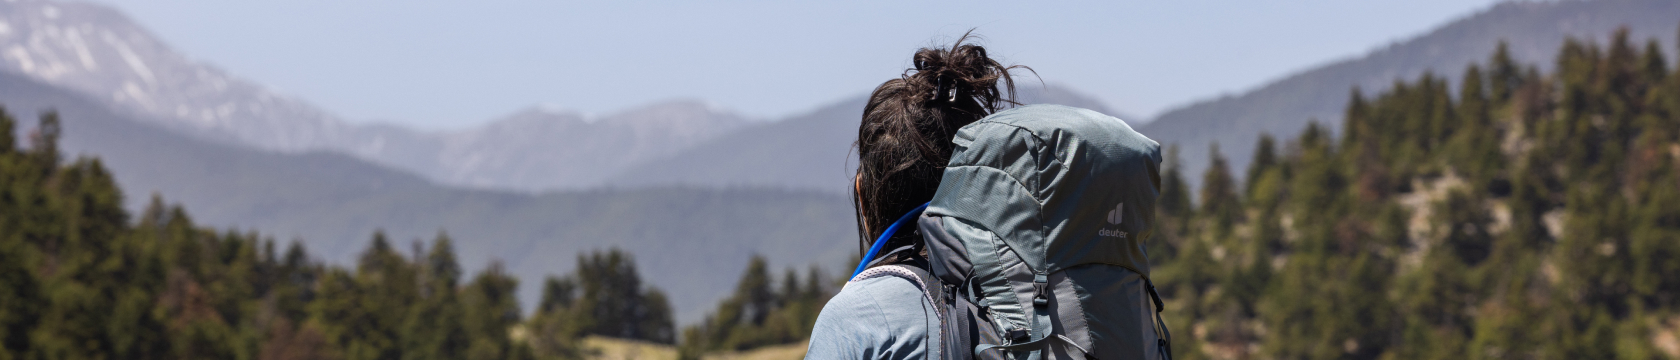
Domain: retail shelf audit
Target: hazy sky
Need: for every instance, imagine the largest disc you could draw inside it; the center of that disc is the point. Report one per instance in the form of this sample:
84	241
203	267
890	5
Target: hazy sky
451	64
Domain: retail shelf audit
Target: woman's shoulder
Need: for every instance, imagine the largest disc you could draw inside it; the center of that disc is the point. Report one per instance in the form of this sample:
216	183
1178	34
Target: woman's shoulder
881	316
897	287
875	301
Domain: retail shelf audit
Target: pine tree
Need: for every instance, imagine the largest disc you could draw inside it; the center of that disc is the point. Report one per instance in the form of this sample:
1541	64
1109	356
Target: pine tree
558	295
1219	194
491	311
8	127
434	327
389	286
1173	210
1505	75
1475	148
1265	159
615	303
44	141
754	289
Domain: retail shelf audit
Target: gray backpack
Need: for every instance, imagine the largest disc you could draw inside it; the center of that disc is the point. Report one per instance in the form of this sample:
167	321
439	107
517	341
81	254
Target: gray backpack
1035	240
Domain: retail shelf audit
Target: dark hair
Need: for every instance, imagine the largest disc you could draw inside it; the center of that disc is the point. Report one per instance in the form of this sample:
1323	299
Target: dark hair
904	140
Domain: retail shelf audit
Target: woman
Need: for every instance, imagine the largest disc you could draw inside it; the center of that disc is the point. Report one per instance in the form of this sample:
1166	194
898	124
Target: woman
903	144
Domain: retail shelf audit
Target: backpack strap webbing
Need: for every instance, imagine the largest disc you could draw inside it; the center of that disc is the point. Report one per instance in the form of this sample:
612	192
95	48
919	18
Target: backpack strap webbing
1036	344
1163	338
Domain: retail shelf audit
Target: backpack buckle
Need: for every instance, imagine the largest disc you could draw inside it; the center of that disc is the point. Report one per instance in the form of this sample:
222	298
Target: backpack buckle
1017	336
1041	291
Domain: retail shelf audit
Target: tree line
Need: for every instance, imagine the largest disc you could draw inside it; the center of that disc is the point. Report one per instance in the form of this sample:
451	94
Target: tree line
82	278
760	313
1516	215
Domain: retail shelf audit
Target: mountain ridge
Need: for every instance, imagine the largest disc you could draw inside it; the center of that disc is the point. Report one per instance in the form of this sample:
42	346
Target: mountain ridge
812	150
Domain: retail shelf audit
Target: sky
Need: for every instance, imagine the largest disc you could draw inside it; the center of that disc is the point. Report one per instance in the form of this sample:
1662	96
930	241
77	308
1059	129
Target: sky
435	64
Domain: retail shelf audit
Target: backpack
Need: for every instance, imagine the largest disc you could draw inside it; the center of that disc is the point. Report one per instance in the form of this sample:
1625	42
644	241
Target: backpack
1035	240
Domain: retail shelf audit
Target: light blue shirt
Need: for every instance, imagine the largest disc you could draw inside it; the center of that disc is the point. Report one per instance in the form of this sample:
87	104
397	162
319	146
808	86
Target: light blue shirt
877	318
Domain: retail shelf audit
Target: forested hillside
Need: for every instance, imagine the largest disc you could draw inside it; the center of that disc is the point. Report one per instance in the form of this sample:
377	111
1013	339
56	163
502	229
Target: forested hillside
1533	31
82	278
1518	215
85	280
687	237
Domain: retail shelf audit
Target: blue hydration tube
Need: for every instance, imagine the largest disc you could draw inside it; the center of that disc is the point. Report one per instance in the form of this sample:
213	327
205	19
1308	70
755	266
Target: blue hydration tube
882	241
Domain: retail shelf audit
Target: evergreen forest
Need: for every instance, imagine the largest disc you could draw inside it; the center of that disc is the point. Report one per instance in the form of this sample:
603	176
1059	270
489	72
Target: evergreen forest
1506	215
1509	214
81	278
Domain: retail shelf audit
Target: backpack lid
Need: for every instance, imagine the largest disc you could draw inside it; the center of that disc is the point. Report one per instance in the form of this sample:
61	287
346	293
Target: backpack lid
1062	186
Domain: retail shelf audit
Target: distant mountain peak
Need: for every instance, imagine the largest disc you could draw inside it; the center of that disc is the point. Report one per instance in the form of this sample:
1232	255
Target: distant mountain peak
538	115
680	112
97	51
680	105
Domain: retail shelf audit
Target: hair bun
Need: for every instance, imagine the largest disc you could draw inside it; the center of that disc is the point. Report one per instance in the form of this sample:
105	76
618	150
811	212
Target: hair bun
961	76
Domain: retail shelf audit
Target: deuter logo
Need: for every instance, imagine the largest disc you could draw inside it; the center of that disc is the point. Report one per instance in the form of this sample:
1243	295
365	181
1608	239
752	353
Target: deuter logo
1115	216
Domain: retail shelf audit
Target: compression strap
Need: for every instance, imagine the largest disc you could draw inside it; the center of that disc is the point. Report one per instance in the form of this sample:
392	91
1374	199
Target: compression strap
882	241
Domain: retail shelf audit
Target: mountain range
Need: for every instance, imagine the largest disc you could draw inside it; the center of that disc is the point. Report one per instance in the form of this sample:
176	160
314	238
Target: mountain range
98	52
807	151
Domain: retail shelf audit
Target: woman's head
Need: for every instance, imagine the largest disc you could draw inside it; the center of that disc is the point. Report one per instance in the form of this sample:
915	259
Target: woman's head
904	140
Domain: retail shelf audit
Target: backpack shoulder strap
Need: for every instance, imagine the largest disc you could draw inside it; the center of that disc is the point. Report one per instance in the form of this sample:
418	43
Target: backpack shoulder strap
957	325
